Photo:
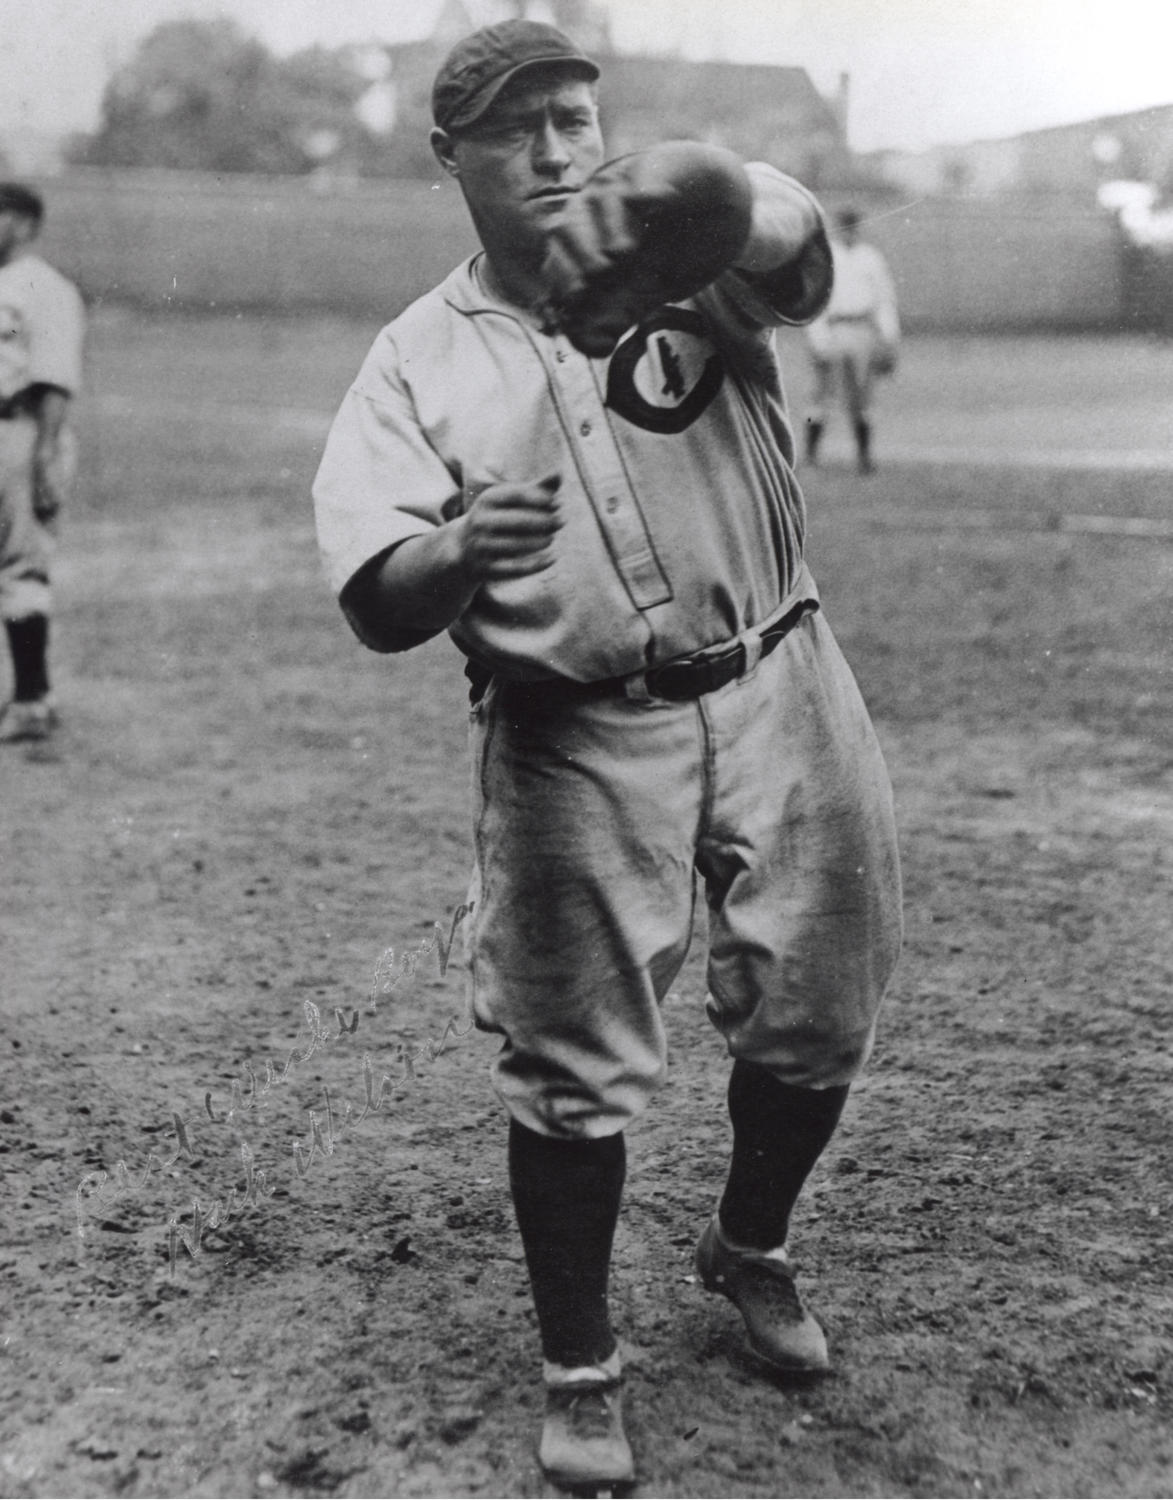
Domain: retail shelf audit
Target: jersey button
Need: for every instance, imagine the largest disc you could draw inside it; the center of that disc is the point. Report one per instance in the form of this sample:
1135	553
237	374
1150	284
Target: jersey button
560	356
585	429
612	504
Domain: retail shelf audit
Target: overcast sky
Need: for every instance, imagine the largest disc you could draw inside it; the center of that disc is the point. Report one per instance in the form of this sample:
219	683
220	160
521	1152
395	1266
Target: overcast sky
923	72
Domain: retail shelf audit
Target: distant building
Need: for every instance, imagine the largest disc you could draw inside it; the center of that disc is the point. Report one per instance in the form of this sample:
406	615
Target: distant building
586	21
758	110
1068	159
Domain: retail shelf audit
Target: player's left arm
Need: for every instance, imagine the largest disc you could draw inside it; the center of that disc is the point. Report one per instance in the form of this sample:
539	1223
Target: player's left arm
665	224
57	336
786	261
50	477
887	314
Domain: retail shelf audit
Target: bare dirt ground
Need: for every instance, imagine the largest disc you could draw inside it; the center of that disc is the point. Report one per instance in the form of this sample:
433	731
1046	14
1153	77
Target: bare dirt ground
244	812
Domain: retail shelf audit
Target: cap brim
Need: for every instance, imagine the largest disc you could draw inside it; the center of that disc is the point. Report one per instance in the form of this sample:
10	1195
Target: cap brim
481	103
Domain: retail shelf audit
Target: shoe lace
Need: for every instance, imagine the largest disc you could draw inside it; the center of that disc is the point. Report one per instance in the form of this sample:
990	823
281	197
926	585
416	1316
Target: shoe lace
773	1282
589	1409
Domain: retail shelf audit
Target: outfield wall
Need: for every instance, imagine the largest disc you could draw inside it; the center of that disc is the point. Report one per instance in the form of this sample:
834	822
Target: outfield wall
184	241
1004	264
192	243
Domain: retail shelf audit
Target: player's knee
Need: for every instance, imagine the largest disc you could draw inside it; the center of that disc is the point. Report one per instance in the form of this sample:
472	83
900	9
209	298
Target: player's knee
819	1053
580	1103
844	1060
575	1115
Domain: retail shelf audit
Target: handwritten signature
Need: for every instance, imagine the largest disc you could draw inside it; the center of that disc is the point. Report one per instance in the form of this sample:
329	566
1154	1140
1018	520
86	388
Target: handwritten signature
326	1123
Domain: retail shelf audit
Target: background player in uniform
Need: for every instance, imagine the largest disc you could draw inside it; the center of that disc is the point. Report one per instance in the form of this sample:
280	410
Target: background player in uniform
42	324
854	340
614	540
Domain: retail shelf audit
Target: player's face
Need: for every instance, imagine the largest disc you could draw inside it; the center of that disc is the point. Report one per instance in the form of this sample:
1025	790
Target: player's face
521	164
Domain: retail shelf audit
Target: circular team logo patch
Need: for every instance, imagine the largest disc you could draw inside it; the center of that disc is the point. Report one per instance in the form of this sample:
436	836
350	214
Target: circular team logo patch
665	372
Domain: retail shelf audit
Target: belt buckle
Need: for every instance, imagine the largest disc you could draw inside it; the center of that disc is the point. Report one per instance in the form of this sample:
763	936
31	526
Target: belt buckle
700	674
635	687
658	681
645	685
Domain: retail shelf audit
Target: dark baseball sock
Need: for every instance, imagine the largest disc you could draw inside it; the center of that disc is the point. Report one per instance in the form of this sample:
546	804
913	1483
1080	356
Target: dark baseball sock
863	442
779	1132
28	641
566	1196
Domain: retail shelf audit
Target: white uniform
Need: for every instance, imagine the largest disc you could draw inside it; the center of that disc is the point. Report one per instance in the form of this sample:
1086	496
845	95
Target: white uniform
597	808
856	334
42	325
461	392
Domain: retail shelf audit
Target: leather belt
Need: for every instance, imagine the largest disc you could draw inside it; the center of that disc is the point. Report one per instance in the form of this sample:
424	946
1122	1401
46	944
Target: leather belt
693	676
677	681
20	405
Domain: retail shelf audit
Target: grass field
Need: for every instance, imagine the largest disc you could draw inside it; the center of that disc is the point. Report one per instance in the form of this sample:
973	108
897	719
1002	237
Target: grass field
244	811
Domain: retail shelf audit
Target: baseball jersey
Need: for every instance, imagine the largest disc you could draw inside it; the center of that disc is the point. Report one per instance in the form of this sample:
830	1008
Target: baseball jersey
42	322
863	288
682	521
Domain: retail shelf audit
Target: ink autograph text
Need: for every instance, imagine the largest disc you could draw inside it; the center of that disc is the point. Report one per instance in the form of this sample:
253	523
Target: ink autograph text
327	1123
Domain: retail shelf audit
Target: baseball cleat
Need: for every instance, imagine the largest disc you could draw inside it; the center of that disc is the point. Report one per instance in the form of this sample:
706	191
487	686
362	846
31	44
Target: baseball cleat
27	721
583	1445
761	1287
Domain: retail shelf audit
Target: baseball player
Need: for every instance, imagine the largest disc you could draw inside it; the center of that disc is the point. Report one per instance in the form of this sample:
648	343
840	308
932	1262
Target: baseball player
42	324
574	456
854	339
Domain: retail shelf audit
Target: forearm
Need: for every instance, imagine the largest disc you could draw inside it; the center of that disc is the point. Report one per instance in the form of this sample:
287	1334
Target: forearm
888	322
49	468
420	587
887	312
50	411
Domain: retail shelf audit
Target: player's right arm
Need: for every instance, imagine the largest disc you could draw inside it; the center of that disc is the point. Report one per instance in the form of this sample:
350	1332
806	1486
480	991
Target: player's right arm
410	533
424	584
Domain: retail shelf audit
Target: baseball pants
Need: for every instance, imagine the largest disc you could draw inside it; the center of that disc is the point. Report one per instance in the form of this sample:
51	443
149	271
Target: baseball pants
843	364
595	822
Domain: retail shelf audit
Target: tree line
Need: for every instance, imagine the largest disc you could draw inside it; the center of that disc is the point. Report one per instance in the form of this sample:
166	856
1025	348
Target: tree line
209	96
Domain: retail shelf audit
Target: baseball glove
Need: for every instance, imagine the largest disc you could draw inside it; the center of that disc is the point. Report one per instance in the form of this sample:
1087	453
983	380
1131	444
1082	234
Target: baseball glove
645	229
883	360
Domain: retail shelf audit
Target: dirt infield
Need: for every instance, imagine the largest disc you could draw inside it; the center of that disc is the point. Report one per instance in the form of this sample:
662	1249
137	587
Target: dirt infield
249	828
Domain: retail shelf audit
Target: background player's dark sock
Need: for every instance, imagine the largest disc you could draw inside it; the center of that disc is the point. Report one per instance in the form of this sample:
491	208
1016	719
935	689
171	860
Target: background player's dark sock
566	1196
779	1132
28	641
863	443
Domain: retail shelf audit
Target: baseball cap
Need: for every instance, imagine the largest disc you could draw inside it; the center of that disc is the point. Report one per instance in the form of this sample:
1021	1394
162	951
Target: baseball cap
479	67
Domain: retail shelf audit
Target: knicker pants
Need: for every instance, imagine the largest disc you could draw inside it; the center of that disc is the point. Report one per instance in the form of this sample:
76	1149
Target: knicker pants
594	821
844	361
